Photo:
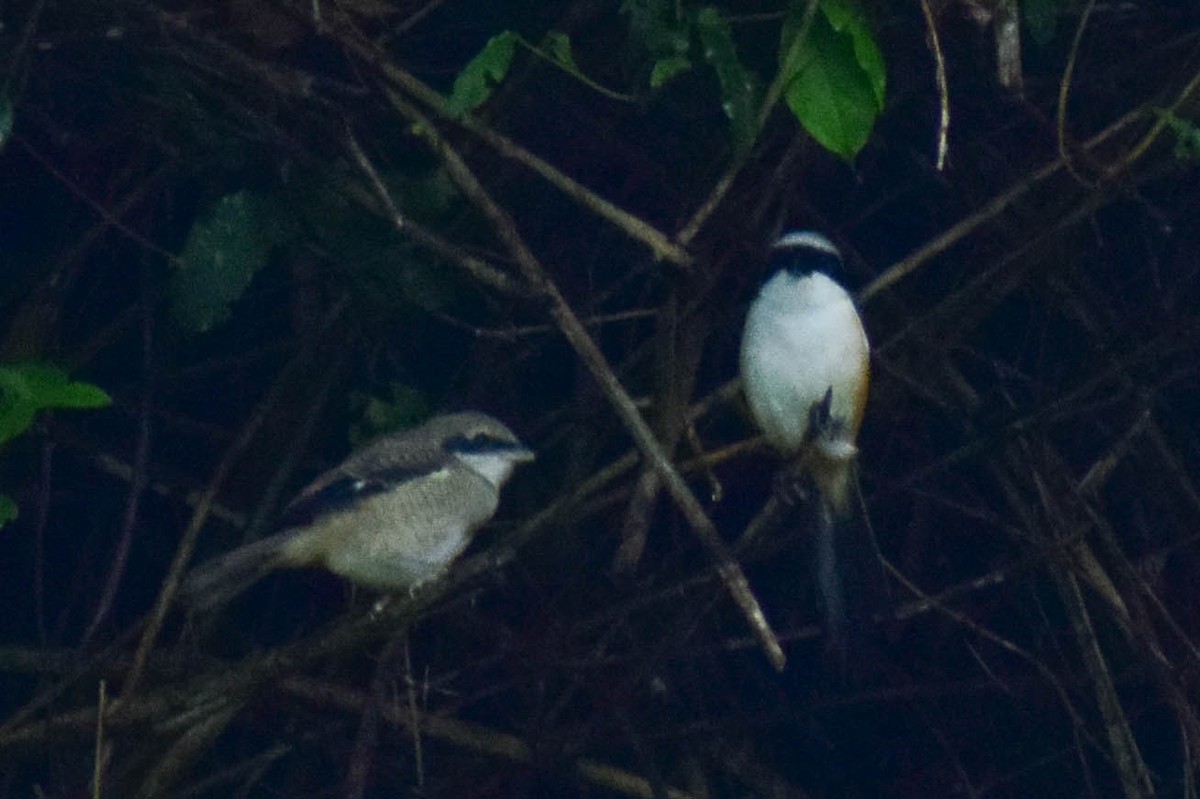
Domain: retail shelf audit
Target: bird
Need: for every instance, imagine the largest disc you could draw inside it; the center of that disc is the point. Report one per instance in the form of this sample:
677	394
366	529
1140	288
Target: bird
805	371
391	517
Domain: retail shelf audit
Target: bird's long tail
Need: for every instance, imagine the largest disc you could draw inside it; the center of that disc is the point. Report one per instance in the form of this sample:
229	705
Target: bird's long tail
219	580
848	566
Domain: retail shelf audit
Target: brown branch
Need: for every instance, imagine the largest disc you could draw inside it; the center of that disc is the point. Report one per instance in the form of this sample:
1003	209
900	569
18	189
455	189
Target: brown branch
577	335
997	205
187	545
637	229
476	268
472	736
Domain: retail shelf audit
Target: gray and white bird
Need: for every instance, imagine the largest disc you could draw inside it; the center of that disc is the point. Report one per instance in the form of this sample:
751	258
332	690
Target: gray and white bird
393	515
804	340
805	365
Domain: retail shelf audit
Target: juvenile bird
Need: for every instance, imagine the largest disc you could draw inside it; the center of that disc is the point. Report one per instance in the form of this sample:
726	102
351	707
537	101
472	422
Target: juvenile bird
392	516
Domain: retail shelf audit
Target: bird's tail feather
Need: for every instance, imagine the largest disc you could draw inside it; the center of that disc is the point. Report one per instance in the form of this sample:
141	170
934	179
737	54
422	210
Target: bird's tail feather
219	580
828	575
848	572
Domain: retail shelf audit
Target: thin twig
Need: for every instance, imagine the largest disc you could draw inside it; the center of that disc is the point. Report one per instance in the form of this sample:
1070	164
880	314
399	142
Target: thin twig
1064	92
637	229
475	737
187	544
939	64
475	267
585	347
140	469
785	73
959	231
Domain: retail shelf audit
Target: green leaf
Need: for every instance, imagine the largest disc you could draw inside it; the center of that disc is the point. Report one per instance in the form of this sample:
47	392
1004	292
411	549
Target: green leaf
667	69
1187	141
406	407
8	509
846	18
225	248
50	387
15	419
1041	17
474	83
659	25
558	46
665	33
27	388
740	93
838	87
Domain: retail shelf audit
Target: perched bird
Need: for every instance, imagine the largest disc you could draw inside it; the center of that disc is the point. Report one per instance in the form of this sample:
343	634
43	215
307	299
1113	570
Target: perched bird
392	516
805	371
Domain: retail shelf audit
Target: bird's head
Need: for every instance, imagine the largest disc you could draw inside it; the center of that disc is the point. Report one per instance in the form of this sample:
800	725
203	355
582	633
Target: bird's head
482	443
802	252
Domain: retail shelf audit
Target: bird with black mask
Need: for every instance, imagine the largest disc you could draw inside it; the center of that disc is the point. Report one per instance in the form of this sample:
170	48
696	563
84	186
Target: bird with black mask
392	516
805	368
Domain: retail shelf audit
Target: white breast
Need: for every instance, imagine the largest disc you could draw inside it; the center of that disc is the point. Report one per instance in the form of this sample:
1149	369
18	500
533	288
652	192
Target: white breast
803	336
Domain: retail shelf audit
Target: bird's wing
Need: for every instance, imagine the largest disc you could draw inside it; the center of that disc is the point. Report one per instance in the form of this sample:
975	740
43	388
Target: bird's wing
373	470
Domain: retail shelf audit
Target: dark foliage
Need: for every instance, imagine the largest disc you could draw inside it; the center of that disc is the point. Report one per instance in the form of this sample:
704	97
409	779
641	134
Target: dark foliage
1028	455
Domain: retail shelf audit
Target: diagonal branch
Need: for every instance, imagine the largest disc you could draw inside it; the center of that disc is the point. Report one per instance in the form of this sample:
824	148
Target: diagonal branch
587	350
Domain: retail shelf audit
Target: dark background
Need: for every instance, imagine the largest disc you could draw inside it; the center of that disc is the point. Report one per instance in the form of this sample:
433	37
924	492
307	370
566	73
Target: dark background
1027	456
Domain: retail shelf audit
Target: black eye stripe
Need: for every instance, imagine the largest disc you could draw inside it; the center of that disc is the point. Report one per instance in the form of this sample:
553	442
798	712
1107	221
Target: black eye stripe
803	261
479	443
